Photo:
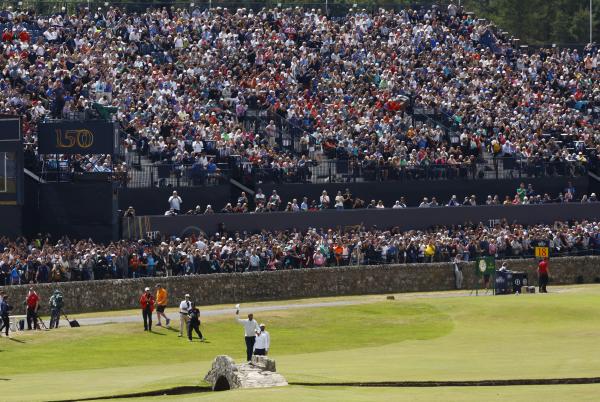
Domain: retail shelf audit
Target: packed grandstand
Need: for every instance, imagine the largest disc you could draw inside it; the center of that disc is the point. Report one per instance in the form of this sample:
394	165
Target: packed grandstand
194	87
201	96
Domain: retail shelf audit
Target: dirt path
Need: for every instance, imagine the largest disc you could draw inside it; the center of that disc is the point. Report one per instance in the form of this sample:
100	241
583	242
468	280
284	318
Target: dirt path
211	313
172	312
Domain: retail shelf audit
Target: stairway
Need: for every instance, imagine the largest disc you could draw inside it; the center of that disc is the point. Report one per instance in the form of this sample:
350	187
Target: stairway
490	167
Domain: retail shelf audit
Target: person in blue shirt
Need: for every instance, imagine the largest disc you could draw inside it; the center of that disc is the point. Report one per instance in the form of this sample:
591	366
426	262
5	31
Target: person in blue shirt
304	205
211	167
15	275
151	262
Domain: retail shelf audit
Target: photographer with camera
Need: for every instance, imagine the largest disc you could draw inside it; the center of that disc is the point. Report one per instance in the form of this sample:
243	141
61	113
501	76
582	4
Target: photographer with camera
56	305
147	304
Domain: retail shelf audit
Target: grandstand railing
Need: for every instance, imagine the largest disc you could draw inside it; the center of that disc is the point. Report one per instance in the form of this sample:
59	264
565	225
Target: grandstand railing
174	175
324	171
329	171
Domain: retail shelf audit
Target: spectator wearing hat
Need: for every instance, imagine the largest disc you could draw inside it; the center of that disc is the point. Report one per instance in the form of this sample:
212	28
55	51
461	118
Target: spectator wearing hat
184	318
262	342
147	304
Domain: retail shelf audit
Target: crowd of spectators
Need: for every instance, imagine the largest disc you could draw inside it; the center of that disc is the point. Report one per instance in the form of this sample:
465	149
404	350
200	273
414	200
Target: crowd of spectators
188	86
523	195
43	260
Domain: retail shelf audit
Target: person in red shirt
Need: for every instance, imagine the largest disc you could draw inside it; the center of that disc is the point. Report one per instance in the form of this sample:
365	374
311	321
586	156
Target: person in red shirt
33	303
543	275
24	36
7	35
147	304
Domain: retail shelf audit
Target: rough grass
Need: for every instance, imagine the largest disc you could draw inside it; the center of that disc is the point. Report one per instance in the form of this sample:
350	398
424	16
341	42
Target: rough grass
457	338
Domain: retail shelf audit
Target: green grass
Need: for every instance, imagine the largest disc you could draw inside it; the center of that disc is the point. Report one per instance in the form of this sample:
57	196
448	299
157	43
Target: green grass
297	332
555	393
425	338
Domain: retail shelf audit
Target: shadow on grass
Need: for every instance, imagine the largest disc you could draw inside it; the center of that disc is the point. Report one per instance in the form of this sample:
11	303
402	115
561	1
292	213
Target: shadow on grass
187	390
17	340
432	384
184	390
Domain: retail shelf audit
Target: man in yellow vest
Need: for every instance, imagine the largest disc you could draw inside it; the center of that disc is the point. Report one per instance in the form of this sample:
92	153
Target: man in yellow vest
429	252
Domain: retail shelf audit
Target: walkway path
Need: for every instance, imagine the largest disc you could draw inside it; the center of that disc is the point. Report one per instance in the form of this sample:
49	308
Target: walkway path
212	313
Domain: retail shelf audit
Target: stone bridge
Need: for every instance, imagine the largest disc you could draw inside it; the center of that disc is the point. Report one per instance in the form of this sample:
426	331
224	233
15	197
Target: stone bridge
259	373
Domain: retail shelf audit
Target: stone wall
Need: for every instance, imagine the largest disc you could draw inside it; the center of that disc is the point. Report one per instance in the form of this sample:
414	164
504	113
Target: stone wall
280	285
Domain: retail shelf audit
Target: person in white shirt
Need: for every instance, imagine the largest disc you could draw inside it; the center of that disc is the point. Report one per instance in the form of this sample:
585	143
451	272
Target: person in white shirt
324	200
250	329
184	309
339	201
175	202
254	262
262	342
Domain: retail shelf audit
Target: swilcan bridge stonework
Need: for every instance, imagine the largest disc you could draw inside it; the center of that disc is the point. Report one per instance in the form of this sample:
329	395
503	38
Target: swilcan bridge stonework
259	373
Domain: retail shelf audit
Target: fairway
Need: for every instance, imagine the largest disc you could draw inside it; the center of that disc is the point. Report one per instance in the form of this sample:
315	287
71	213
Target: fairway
416	337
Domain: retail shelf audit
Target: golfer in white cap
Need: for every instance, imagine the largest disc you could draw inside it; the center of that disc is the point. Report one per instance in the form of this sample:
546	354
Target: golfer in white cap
262	342
184	309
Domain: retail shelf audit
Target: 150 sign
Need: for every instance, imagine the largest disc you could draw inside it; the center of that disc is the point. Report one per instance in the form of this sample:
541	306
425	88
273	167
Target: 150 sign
77	137
82	138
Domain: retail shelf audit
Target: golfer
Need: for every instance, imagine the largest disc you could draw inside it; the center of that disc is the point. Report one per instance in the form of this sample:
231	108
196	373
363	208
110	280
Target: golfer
543	275
4	314
161	303
250	329
194	322
184	318
262	343
147	304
